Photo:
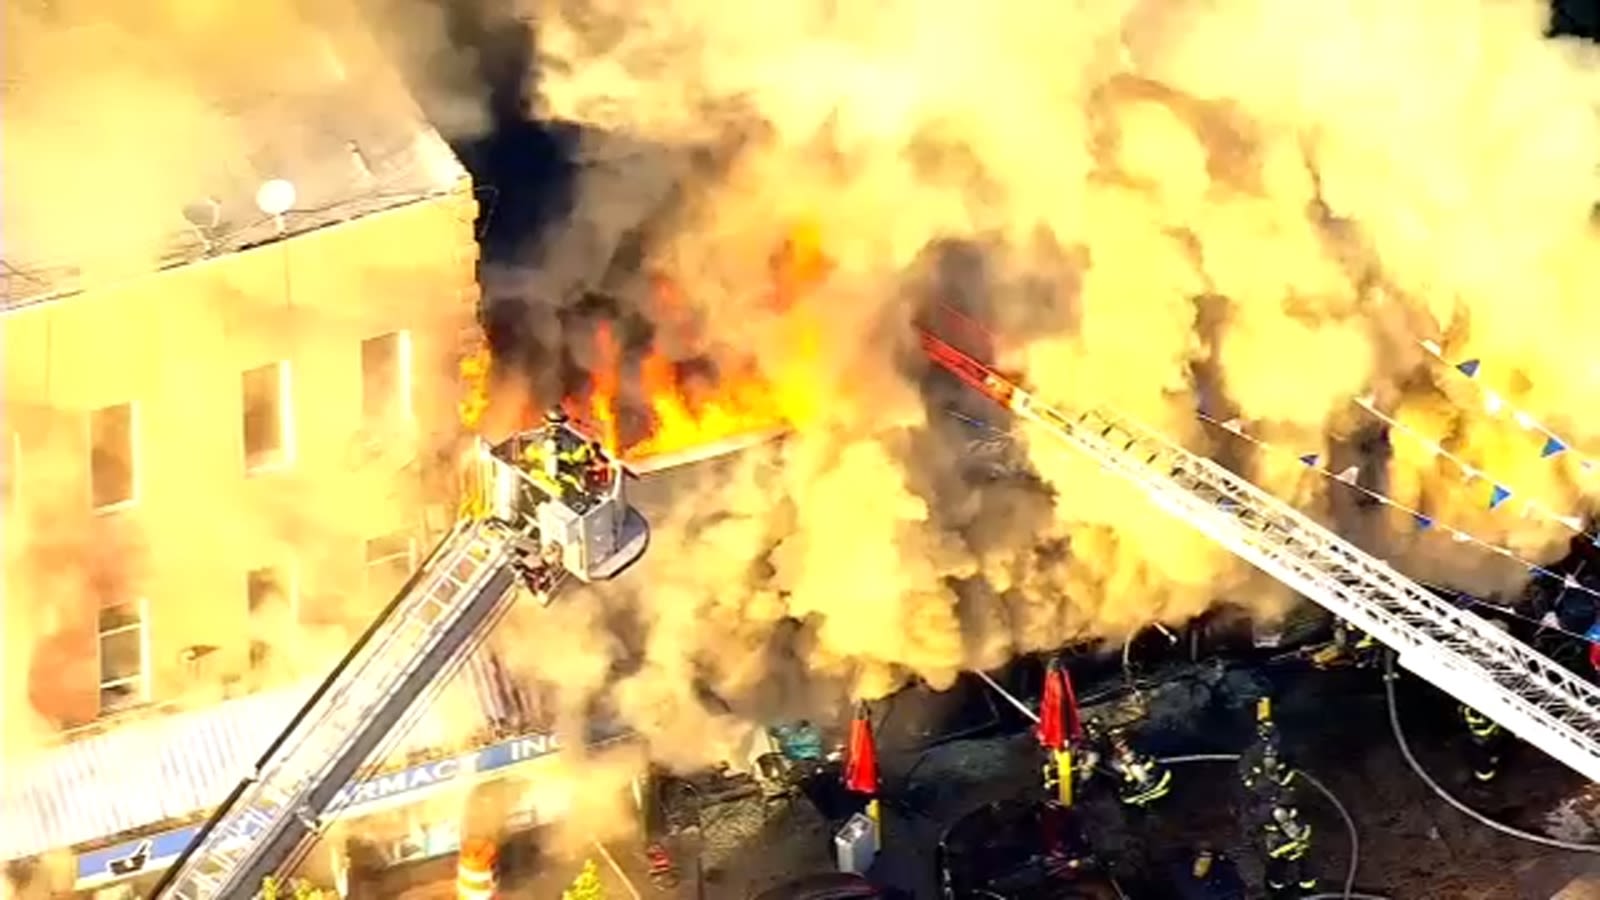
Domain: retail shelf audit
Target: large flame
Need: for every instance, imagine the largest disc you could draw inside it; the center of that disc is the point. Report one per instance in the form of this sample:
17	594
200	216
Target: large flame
718	396
687	408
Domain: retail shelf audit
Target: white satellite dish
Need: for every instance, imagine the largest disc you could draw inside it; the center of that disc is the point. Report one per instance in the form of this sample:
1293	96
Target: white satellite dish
275	198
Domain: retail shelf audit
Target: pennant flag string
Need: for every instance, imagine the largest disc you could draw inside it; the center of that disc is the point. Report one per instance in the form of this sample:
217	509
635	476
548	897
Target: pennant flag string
1499	491
1548	623
1349	477
1425	522
1553	444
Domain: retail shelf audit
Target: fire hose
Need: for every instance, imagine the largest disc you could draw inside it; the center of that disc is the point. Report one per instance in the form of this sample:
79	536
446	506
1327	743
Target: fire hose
1350	825
1389	678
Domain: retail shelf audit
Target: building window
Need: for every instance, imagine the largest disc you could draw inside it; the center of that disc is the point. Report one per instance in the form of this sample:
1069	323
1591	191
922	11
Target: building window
268	435
390	561
270	599
386	377
124	647
111	456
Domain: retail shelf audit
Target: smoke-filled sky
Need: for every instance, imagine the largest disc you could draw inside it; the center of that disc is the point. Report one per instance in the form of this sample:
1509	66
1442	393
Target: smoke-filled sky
201	99
1267	204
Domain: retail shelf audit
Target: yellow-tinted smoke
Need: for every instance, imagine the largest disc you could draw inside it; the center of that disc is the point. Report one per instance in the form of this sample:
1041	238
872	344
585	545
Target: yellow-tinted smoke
116	118
1285	197
183	92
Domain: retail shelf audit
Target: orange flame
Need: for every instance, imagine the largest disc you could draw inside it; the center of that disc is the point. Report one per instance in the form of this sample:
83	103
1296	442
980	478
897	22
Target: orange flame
742	399
475	370
603	391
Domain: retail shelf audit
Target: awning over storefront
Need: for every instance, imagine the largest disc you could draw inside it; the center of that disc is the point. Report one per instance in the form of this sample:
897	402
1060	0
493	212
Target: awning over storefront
177	766
140	856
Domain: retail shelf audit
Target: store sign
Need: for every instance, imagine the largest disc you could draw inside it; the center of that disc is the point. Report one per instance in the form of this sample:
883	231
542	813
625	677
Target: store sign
155	853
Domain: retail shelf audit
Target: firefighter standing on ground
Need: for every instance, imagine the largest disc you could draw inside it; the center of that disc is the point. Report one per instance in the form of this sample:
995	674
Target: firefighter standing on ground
1486	736
1268	779
1350	646
1286	841
1144	781
1483	754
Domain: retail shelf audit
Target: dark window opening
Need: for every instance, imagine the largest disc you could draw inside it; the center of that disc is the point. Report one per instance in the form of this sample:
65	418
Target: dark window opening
264	416
383	378
111	455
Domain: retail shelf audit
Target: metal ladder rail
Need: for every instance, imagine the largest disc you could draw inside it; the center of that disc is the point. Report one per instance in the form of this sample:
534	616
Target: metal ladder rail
1353	568
218	869
1459	653
325	735
237	836
420	703
416	620
291	837
235	804
279	785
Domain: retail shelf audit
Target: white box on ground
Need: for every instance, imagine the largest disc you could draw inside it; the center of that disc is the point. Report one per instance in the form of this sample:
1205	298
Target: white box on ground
856	844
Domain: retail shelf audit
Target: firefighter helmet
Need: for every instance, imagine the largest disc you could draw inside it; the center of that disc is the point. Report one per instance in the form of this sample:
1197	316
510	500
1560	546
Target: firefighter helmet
555	416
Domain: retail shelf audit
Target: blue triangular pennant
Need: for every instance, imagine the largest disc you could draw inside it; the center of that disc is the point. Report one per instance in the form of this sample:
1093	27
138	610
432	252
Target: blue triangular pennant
1468	368
1552	446
1498	496
1423	522
1594	633
1311	459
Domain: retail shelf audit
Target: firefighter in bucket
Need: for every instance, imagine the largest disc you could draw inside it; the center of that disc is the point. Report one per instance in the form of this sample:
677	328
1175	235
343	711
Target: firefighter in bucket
562	461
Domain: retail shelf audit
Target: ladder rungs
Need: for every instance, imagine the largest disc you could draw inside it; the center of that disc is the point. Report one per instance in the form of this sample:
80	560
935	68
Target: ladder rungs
279	792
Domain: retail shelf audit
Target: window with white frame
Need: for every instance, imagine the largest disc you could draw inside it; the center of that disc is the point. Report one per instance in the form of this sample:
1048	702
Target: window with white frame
111	456
386	377
124	653
268	417
390	561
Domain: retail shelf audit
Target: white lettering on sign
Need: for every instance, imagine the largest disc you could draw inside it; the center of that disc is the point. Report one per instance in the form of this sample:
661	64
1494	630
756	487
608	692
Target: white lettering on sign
531	747
399	783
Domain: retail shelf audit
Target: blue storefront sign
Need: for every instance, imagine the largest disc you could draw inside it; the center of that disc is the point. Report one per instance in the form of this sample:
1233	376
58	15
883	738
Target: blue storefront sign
157	852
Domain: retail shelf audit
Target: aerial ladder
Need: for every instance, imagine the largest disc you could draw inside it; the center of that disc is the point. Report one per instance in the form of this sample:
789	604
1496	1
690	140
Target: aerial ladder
1460	653
544	505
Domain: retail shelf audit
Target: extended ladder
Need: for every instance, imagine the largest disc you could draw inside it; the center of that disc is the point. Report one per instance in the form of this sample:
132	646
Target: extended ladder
1458	652
426	632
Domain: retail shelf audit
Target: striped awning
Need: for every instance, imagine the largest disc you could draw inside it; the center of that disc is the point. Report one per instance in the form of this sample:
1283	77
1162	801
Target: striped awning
178	766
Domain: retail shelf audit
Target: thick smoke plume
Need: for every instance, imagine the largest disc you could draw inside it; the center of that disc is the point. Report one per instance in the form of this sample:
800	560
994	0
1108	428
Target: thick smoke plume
1262	207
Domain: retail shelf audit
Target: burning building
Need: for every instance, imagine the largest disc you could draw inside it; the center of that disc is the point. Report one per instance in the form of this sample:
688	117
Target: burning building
223	456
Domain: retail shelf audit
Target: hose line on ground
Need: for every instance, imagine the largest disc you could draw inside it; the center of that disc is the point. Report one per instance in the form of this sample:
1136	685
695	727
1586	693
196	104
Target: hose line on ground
1389	676
1349	823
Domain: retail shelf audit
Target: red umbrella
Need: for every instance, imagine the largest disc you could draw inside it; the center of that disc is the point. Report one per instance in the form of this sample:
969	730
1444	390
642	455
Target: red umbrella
1052	730
861	757
1058	709
1074	721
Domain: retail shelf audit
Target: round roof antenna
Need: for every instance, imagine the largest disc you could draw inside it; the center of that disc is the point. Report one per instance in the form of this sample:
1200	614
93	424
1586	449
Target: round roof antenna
204	216
275	198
